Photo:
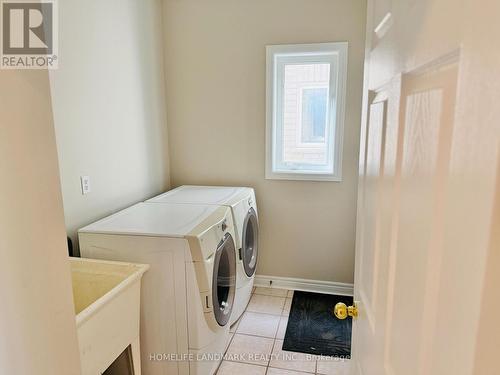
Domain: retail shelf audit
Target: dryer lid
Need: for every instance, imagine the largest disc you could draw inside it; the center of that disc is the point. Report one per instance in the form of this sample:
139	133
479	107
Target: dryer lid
147	219
219	195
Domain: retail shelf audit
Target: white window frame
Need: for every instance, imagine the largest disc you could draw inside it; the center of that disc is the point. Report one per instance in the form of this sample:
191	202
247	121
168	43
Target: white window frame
336	55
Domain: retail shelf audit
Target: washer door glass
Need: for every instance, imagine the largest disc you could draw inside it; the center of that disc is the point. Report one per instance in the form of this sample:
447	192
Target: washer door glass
224	278
250	242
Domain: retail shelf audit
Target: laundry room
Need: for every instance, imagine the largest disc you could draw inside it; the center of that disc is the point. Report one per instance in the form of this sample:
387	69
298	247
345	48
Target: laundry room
281	187
130	145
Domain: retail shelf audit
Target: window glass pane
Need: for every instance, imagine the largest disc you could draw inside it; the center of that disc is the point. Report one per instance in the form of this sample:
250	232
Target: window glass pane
305	113
305	109
314	106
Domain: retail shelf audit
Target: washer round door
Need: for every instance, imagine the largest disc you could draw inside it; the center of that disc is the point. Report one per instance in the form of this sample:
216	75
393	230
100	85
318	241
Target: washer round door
224	280
250	242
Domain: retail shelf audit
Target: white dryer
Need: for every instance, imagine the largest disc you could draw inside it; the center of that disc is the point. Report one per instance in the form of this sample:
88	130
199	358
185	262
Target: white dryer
187	296
243	206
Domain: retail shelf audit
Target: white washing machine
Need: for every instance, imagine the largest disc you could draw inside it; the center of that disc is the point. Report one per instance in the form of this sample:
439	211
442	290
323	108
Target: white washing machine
243	206
188	294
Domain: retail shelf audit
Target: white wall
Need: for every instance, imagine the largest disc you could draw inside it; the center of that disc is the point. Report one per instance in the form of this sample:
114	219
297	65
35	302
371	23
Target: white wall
37	319
109	107
215	74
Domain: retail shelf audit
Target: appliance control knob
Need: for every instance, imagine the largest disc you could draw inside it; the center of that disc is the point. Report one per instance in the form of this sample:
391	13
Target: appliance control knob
224	226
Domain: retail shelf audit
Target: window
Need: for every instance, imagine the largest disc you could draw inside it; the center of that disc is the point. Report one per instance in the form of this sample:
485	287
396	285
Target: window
305	111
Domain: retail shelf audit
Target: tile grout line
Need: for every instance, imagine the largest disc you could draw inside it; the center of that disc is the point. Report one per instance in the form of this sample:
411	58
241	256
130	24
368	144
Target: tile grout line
244	334
258	312
246	363
294	371
249	334
274	338
272	351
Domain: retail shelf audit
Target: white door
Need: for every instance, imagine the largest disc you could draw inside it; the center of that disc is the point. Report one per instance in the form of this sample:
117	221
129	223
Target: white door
428	217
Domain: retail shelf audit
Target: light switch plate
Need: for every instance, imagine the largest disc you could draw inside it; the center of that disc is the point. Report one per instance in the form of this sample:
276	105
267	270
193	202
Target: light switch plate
85	182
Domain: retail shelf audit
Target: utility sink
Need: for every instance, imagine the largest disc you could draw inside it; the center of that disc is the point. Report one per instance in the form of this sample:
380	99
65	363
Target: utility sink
107	306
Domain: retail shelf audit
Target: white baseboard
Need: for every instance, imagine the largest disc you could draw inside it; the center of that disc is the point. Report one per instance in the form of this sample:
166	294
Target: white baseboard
317	286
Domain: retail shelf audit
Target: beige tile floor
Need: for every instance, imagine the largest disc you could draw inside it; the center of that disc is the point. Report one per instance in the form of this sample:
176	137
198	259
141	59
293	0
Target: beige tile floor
257	339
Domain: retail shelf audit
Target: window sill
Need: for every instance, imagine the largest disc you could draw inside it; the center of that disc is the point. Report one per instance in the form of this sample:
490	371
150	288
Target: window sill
318	177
